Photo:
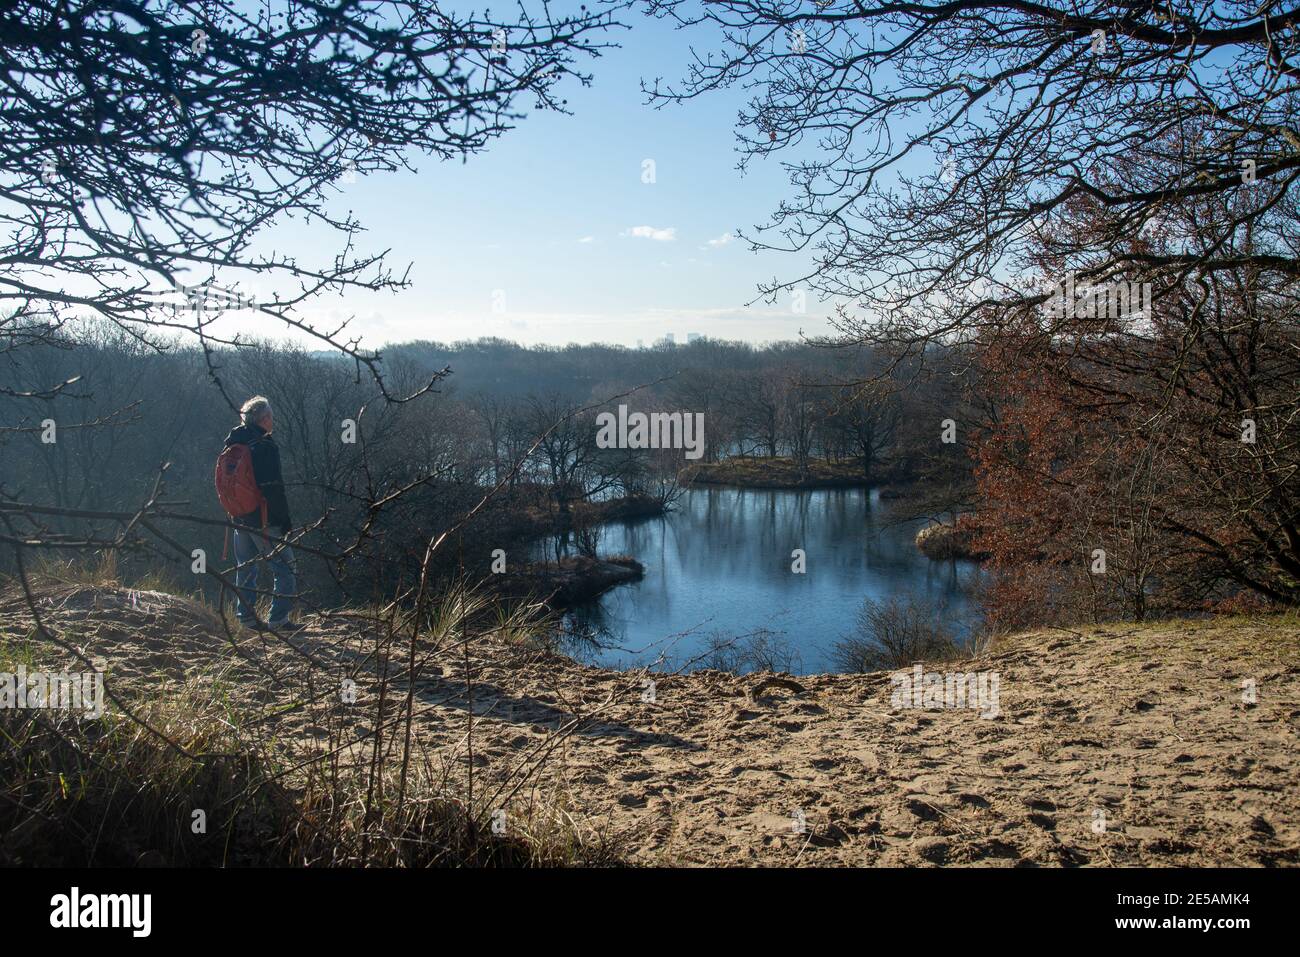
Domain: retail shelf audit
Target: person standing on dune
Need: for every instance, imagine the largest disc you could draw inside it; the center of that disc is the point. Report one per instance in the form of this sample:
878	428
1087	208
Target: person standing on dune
250	485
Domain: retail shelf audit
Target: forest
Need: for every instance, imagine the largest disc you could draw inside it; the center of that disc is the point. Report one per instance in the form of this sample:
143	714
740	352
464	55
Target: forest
1052	250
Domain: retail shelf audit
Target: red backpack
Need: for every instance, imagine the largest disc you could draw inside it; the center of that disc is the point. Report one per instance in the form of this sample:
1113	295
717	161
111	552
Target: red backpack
236	484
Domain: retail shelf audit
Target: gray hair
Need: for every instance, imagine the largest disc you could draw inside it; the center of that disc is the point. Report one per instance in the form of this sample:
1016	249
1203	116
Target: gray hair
254	409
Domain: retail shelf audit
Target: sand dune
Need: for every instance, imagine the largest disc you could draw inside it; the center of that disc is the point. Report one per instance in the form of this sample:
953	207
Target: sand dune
1118	745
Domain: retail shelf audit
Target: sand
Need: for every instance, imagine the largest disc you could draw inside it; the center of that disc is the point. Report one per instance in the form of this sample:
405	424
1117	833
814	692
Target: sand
1118	745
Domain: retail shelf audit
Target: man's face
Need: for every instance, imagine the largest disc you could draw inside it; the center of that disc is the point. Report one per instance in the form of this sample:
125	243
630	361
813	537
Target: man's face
268	421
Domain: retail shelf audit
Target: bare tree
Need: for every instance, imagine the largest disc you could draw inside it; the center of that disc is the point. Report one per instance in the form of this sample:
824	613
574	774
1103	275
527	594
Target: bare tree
147	145
868	414
1103	191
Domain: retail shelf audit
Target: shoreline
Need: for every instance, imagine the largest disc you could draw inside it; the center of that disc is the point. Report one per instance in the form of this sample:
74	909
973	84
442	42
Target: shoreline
571	581
888	479
946	541
778	473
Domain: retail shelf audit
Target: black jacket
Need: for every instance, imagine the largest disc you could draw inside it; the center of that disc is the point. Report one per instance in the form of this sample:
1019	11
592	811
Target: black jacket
266	470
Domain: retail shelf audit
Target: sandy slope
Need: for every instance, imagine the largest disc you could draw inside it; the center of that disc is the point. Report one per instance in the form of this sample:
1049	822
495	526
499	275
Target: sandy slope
1144	729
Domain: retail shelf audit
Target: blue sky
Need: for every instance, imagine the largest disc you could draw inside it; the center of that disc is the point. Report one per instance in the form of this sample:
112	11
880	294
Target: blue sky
551	236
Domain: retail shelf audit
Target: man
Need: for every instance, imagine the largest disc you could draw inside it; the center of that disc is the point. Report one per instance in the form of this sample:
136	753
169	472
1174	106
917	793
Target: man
255	432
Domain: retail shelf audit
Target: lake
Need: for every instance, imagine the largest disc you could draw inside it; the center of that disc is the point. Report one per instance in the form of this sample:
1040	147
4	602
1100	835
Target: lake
718	573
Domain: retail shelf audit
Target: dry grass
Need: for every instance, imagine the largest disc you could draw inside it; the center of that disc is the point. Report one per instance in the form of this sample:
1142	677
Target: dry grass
248	732
779	472
107	792
104	570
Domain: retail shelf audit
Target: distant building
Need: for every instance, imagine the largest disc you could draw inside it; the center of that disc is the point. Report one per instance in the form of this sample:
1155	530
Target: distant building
671	339
640	343
692	336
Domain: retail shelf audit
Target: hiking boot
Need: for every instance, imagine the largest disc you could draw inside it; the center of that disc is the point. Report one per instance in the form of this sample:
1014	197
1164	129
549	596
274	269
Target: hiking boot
253	625
285	627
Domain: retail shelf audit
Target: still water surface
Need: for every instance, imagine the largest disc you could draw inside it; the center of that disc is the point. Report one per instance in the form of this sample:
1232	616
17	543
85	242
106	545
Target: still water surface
718	568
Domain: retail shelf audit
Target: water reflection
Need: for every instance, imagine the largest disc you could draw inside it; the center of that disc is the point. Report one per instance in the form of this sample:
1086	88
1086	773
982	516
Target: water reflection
718	568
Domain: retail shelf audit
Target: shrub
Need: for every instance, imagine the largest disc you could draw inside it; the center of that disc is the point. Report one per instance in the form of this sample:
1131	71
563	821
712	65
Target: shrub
894	633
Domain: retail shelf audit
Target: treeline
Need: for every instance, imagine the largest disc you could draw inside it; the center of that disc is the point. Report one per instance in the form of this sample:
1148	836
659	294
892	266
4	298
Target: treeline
370	481
783	399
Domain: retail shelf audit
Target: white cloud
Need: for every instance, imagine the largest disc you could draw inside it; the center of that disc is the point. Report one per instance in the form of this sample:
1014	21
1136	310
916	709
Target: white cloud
666	235
722	240
587	239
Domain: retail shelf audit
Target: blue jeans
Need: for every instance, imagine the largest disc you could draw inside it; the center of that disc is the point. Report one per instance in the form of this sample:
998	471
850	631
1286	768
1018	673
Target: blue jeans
248	549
